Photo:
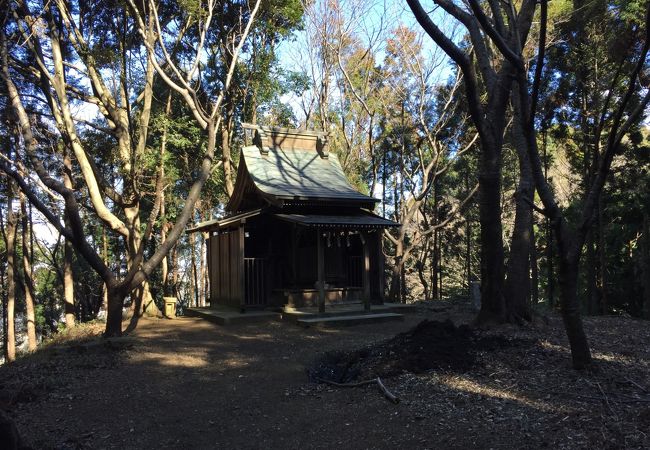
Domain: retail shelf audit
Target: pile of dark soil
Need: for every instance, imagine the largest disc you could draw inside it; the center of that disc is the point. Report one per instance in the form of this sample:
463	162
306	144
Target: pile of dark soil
429	346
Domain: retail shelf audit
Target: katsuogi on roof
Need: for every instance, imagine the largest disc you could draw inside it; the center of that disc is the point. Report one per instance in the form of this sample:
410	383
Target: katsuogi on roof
297	232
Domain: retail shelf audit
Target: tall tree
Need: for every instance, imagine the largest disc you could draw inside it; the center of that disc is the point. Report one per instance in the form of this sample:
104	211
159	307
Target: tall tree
508	38
487	77
10	239
62	27
624	112
28	281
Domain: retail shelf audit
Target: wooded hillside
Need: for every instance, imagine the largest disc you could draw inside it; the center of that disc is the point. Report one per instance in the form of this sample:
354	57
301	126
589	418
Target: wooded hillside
510	140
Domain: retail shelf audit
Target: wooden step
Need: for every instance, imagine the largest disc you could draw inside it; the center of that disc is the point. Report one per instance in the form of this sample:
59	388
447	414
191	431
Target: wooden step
228	316
339	320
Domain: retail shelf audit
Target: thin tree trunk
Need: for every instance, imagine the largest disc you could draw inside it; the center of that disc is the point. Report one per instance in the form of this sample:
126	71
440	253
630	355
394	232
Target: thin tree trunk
550	273
394	292
12	222
591	296
601	282
468	245
645	266
570	305
534	268
205	275
226	158
440	274
384	179
174	271
105	258
421	268
27	277
202	271
435	255
68	276
163	213
5	325
164	264
3	290
194	295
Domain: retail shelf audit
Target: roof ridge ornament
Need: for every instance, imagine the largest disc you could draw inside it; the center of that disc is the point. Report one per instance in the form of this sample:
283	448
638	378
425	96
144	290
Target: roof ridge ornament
321	145
258	139
265	138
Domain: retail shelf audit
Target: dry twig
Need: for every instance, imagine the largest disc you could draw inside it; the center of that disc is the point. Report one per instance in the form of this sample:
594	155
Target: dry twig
389	395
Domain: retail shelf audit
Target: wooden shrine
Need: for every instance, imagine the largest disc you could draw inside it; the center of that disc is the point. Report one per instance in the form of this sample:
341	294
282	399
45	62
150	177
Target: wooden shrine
296	232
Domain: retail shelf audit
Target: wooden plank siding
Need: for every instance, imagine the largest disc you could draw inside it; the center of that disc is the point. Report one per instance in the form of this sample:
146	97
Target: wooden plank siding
225	265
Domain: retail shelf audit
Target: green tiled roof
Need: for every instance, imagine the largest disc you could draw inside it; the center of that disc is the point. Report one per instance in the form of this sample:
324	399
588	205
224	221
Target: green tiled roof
300	174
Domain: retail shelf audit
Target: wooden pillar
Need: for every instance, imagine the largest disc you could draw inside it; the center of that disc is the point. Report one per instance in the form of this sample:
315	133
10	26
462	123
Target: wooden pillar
208	260
242	277
321	271
294	253
366	270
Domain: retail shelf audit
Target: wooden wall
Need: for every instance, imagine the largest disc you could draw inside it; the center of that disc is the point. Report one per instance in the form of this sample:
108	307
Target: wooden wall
226	261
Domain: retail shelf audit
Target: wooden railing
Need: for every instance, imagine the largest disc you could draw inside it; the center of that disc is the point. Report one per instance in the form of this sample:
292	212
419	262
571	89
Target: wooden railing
255	281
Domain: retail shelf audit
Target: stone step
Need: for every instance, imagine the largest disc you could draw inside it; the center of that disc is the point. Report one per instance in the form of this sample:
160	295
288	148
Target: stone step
226	316
347	309
356	319
289	314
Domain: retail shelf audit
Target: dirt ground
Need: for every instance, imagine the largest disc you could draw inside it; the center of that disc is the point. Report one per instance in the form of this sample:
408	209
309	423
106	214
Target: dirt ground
188	383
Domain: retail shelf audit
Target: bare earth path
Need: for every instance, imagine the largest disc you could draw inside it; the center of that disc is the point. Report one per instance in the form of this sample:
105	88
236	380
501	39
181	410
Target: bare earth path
190	384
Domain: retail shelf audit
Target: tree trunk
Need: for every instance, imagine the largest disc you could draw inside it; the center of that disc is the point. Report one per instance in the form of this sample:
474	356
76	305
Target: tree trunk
517	283
144	303
68	286
645	266
68	276
534	268
3	291
468	254
493	305
601	281
570	304
395	290
114	312
421	268
439	270
227	160
10	337
194	285
174	271
591	291
435	256
163	212
147	304
202	271
27	277
164	264
550	272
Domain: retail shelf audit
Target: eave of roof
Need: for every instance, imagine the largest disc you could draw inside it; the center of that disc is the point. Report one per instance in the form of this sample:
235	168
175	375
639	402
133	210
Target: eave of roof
215	224
331	221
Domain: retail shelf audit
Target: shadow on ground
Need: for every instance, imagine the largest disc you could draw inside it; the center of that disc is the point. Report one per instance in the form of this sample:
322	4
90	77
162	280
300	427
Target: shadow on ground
187	383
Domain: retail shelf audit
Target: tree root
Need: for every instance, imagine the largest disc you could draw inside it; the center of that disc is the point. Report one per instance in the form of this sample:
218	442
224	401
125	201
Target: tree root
389	395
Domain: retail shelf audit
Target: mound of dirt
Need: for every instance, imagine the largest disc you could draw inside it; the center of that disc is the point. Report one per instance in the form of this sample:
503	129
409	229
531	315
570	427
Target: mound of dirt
431	345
